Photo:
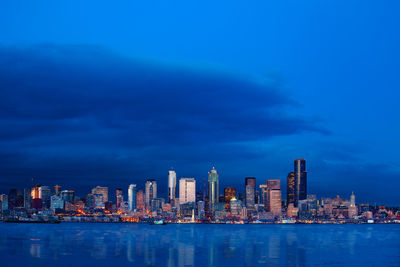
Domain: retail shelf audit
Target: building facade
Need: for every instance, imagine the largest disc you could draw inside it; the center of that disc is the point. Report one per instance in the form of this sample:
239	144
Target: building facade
187	190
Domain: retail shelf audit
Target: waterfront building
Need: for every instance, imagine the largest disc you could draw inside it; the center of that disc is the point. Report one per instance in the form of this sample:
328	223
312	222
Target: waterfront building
250	187
132	197
236	207
101	190
273	196
171	186
201	212
229	193
56	202
99	202
187	208
292	211
150	192
140	200
15	199
119	198
290	188
44	195
213	189
156	204
187	190
300	175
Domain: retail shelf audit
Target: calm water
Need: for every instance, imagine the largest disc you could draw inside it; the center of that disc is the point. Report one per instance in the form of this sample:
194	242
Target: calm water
83	244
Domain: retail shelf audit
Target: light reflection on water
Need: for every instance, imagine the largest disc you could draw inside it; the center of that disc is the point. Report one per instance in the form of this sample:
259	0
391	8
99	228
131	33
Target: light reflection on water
199	245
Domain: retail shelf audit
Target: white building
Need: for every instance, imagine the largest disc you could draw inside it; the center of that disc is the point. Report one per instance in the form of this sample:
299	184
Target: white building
132	197
171	185
187	190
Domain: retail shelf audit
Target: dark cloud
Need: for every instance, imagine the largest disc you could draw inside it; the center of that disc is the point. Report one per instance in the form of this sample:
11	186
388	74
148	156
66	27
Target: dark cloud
80	111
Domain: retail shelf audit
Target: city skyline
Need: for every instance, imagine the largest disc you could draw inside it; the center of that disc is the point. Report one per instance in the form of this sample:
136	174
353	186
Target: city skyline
116	101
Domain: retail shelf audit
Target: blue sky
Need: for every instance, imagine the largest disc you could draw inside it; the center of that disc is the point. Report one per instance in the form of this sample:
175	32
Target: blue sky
114	93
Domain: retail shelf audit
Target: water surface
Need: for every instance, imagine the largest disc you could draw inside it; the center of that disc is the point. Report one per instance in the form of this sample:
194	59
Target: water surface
107	244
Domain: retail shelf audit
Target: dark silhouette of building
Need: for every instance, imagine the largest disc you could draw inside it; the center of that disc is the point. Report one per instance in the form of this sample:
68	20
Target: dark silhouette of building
290	189
300	175
229	193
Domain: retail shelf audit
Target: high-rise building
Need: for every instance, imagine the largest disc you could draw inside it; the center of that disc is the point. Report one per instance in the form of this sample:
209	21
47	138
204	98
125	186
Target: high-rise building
139	200
300	175
35	192
250	189
68	196
3	202
56	202
119	197
44	195
187	190
171	185
229	193
101	190
213	188
15	199
132	197
353	211
150	192
290	188
57	190
27	198
274	196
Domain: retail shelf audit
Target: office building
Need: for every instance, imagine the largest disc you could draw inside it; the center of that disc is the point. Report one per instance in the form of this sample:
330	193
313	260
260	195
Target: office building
300	175
27	198
44	195
56	202
250	189
187	190
171	186
119	197
229	193
213	188
290	189
150	192
68	196
139	201
101	190
57	190
132	197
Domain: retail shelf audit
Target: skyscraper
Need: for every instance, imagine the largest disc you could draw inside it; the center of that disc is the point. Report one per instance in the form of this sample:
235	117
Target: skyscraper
139	200
290	188
119	197
250	189
27	198
171	185
213	188
187	190
132	197
57	190
300	176
229	193
274	196
45	194
100	190
150	192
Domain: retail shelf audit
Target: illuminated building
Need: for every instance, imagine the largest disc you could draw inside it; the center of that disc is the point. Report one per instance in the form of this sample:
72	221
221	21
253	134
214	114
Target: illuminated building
187	190
56	202
44	195
201	212
140	200
213	188
27	198
236	206
132	197
156	204
35	192
100	190
3	202
171	185
68	196
353	212
229	193
90	201
274	196
292	211
290	188
119	197
57	190
99	202
250	188
150	192
300	176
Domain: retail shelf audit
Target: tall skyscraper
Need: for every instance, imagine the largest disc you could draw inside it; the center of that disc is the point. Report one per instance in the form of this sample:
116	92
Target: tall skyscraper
229	193
171	185
290	189
57	190
101	190
250	189
139	200
27	198
187	190
118	197
300	176
213	188
132	197
353	211
150	192
274	196
45	194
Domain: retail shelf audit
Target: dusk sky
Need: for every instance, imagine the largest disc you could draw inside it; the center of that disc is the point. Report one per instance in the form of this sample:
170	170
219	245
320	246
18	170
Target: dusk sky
112	93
